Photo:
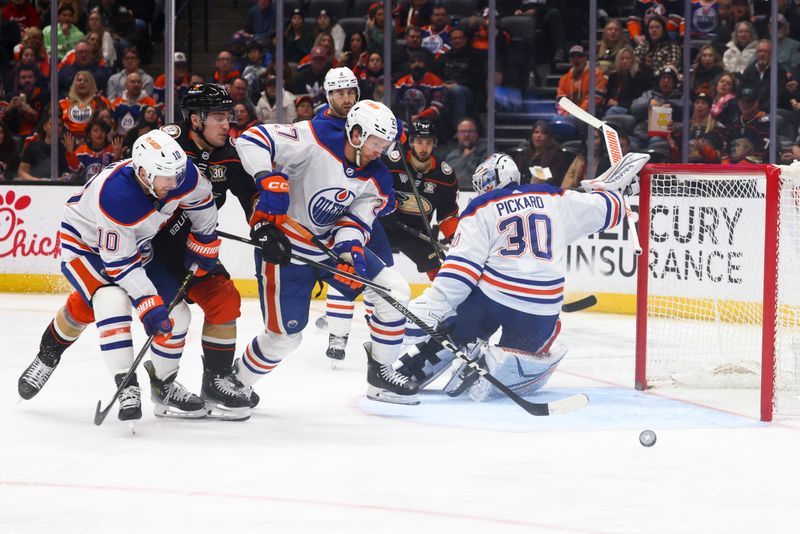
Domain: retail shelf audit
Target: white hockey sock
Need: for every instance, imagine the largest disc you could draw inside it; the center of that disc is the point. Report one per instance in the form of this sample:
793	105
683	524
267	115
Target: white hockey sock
339	312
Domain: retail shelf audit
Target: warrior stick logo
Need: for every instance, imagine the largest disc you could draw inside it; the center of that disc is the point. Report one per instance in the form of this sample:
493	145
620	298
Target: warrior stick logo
327	205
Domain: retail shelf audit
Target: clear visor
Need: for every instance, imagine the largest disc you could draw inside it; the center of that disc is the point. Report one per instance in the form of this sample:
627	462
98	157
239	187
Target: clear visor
169	182
218	118
376	144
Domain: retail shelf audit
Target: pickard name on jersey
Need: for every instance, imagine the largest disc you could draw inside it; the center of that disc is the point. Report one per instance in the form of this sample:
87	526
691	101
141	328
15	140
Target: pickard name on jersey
113	218
511	243
438	191
332	198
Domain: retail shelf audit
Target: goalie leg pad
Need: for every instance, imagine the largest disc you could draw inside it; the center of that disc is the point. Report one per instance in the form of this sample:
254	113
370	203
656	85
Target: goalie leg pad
524	372
425	362
166	354
387	325
112	309
263	354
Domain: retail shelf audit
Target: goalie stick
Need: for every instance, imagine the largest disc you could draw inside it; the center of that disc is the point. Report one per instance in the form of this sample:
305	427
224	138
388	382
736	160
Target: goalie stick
100	415
614	154
568	404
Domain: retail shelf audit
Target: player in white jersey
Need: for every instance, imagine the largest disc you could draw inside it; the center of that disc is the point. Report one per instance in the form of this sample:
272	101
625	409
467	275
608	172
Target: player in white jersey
505	269
106	256
333	184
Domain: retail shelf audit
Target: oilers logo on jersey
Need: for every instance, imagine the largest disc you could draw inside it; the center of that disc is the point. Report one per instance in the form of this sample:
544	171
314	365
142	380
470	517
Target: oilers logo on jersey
327	205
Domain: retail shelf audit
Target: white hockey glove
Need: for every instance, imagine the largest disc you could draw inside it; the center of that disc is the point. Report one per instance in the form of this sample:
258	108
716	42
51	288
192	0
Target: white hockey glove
432	309
620	176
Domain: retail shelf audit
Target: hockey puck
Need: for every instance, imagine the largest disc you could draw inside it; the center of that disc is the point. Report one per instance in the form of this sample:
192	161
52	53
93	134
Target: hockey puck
647	438
321	322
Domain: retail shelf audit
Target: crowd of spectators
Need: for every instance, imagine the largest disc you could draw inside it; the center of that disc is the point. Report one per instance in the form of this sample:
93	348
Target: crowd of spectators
439	64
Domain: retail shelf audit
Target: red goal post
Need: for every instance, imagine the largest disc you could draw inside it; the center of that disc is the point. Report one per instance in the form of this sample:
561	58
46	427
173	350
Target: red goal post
717	298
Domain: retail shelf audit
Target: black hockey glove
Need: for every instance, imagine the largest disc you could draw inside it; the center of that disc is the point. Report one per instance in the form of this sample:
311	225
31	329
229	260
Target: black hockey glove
274	244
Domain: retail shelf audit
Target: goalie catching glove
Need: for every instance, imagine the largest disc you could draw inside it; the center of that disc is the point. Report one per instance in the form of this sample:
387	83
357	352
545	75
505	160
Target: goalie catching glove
622	176
351	260
275	246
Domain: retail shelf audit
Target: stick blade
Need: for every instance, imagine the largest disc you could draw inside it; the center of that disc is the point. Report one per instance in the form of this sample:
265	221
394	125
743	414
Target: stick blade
568	404
579	113
580	304
99	415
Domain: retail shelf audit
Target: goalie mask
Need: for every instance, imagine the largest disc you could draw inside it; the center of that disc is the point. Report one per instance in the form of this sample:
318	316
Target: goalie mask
498	171
159	155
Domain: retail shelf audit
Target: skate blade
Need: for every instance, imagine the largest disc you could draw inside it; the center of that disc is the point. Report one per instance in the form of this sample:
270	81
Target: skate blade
381	395
224	413
170	412
132	427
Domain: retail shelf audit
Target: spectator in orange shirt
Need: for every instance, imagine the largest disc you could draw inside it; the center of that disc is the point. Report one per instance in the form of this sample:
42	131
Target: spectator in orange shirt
82	102
575	83
225	71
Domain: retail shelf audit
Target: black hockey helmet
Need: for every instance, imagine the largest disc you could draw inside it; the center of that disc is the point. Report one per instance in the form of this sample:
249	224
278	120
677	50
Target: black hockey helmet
205	98
422	128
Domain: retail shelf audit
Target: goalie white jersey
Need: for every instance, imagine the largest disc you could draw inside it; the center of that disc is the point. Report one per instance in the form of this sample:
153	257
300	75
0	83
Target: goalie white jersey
330	197
114	219
511	243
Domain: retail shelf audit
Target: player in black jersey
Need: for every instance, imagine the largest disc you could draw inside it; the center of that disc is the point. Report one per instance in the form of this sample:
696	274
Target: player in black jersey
203	135
438	191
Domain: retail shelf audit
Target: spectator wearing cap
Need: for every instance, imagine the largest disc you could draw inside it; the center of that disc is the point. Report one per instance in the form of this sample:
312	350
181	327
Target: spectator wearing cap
421	93
723	91
130	63
401	56
225	71
746	139
260	20
412	13
625	82
574	84
265	109
254	66
309	81
237	47
705	144
665	93
658	49
758	76
788	48
182	81
705	68
304	105
325	42
741	49
326	24
297	41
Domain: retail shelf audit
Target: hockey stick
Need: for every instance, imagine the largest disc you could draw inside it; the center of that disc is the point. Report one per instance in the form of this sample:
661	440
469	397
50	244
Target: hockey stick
568	404
614	154
417	233
425	222
100	415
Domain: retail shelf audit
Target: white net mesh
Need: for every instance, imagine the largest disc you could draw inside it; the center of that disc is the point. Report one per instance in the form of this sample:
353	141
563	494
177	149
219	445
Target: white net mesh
706	281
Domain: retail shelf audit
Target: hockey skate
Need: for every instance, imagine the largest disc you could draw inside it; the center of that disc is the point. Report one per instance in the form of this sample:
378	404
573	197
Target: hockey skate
171	399
35	376
386	384
225	396
130	399
336	348
248	390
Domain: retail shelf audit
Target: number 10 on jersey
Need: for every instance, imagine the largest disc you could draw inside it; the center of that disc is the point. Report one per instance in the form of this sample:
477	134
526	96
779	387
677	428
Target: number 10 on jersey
532	231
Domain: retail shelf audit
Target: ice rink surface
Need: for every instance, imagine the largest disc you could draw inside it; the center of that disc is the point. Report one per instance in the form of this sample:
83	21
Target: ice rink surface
317	456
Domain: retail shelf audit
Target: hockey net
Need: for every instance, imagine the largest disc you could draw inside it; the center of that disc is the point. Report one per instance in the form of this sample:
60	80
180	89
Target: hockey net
718	302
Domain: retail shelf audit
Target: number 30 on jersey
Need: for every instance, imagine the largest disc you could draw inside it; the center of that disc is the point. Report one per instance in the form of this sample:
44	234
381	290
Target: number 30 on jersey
527	232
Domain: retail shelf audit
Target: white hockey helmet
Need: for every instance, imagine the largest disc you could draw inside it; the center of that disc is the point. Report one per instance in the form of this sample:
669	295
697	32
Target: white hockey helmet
159	154
373	118
340	78
498	170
